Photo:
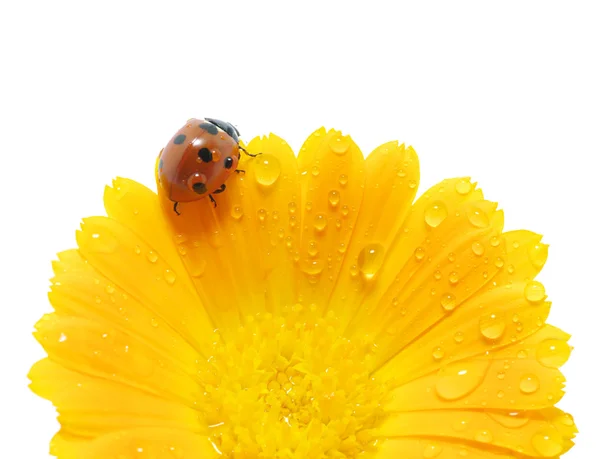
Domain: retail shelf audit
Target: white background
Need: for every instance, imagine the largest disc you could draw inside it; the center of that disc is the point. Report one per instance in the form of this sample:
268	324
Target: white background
506	92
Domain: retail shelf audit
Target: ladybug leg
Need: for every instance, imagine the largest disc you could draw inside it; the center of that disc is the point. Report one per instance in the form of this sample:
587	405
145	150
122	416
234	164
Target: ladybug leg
212	200
239	171
175	208
249	154
220	190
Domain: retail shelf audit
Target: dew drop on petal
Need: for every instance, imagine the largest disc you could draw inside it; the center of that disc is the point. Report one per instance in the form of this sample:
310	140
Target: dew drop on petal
494	241
345	210
535	292
198	268
312	248
343	179
492	326
484	436
101	241
477	248
315	171
477	217
320	222
529	384
432	450
292	207
448	301
553	353
237	212
170	276
436	213
547	443
370	260
267	170
453	278
514	420
538	254
339	144
459	379
262	215
419	253
438	353
463	187
312	267
152	256
334	198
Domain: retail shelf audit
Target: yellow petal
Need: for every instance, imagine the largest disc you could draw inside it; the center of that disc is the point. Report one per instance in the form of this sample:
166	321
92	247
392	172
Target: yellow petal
392	175
328	163
436	448
522	376
508	430
142	443
90	406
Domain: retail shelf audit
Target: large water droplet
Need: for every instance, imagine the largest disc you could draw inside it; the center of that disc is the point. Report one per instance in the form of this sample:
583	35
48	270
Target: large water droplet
438	353
463	187
478	217
553	353
477	248
370	260
538	254
492	326
152	256
548	443
345	210
170	276
453	278
419	253
535	292
266	170
460	379
448	301
237	212
529	384
312	267
436	213
320	222
334	198
339	144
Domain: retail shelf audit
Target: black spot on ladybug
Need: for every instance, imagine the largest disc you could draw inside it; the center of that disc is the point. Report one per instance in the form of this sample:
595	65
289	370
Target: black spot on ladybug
205	155
228	162
199	188
179	139
229	128
210	128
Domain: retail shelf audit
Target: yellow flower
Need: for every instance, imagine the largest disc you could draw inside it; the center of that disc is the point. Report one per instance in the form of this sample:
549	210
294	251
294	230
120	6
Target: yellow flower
315	312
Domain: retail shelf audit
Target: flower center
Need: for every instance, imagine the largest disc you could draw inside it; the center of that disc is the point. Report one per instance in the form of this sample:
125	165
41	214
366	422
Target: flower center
291	383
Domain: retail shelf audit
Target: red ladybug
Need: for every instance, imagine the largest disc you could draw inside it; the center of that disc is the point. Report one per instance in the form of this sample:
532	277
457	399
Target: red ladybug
200	157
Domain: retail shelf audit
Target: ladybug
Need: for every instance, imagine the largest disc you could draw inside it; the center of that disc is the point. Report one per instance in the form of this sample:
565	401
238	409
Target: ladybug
199	158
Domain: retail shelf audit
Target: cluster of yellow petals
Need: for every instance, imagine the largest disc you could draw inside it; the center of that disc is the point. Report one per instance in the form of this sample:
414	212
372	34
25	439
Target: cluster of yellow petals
316	312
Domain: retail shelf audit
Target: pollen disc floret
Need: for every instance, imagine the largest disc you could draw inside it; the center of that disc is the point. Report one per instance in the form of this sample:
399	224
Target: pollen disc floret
291	382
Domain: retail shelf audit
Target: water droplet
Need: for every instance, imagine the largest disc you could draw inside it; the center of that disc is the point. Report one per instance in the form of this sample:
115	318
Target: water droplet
400	173
354	270
499	262
538	254
529	384
460	379
535	292
109	289
170	276
137	250
262	215
494	241
334	198
312	267
152	256
438	353
198	268
101	241
460	425
345	210
448	301
437	275
154	322
463	187
432	450
477	248
412	184
419	253
522	354
308	206
477	217
370	260
342	247
436	213
293	221
548	443
453	278
339	144
492	326
510	269
459	337
292	207
266	170
553	353
315	171
343	180
237	212
312	248
320	222
451	257
514	420
484	436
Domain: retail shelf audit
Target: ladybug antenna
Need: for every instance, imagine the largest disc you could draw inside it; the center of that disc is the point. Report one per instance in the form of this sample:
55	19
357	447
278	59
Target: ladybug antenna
249	154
